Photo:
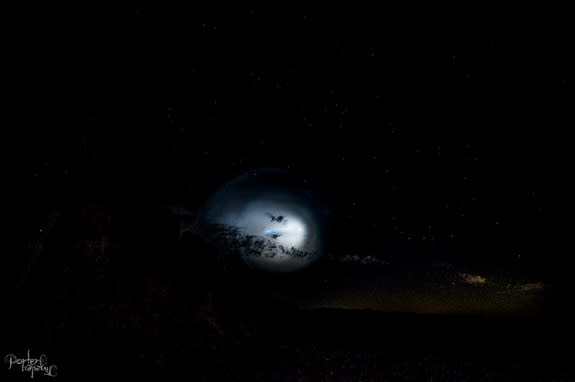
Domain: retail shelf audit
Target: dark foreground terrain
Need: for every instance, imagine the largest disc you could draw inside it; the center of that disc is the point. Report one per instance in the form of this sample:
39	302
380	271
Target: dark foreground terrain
225	336
103	306
297	346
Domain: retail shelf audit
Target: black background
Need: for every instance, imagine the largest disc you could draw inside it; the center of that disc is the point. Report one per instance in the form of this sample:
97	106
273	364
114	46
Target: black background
439	136
432	136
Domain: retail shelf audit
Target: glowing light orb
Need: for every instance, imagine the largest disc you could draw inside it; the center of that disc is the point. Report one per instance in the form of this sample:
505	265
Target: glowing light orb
267	217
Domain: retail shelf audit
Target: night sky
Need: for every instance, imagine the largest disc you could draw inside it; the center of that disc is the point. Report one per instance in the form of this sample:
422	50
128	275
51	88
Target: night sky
438	143
432	139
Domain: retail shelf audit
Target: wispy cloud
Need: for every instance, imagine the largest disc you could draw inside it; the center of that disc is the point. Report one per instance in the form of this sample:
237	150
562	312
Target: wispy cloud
366	260
530	287
473	279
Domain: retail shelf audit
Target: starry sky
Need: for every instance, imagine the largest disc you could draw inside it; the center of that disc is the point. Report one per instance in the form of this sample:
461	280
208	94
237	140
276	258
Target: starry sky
438	143
435	140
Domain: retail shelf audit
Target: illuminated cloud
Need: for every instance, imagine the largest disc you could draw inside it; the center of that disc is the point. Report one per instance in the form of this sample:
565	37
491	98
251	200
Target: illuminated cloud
473	279
268	217
530	287
365	260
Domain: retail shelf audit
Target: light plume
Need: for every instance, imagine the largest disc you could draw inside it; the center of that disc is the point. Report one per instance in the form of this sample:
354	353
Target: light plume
268	218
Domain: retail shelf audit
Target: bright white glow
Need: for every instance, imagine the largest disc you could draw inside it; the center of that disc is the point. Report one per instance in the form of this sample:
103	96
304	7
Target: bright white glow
278	228
256	219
